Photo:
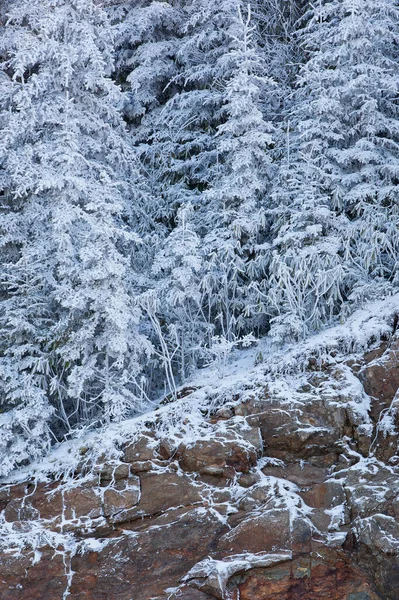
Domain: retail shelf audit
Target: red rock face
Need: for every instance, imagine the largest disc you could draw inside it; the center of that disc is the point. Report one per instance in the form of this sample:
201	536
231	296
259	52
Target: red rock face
329	578
286	502
380	378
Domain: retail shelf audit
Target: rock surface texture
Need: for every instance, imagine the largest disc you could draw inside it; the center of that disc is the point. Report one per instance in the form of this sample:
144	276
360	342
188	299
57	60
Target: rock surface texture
290	493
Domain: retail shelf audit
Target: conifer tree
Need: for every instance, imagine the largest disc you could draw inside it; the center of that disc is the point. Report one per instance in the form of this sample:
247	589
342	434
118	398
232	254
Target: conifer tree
178	269
235	243
70	341
147	43
181	148
364	164
336	224
192	140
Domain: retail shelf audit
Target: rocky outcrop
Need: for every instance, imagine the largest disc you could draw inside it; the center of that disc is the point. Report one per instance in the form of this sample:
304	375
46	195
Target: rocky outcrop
291	493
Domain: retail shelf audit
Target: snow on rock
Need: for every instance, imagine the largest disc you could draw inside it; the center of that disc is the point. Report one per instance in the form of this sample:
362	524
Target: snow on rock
212	575
262	484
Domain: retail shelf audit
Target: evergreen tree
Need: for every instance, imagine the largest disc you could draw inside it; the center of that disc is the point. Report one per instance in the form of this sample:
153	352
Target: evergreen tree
69	327
235	242
179	135
336	209
194	140
147	45
364	164
178	268
171	180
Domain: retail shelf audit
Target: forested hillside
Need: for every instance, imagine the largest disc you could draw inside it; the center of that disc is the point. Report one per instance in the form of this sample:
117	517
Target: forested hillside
179	179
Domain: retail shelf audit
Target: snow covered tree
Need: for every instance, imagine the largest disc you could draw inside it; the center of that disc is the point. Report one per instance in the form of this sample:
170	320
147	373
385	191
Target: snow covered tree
364	163
336	225
276	22
306	270
235	243
179	134
193	138
171	180
178	269
71	193
210	136
147	42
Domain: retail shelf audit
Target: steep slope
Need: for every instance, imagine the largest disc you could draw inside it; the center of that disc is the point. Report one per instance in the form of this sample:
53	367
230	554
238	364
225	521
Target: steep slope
277	480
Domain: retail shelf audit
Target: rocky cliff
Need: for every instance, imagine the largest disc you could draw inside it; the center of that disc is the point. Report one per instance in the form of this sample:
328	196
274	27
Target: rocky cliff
287	489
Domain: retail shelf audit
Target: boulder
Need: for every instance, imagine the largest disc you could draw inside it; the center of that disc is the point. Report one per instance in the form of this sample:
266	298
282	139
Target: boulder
143	565
121	497
142	449
266	532
212	457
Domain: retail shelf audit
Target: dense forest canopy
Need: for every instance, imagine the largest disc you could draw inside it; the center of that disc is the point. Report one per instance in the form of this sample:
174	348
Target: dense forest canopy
177	179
